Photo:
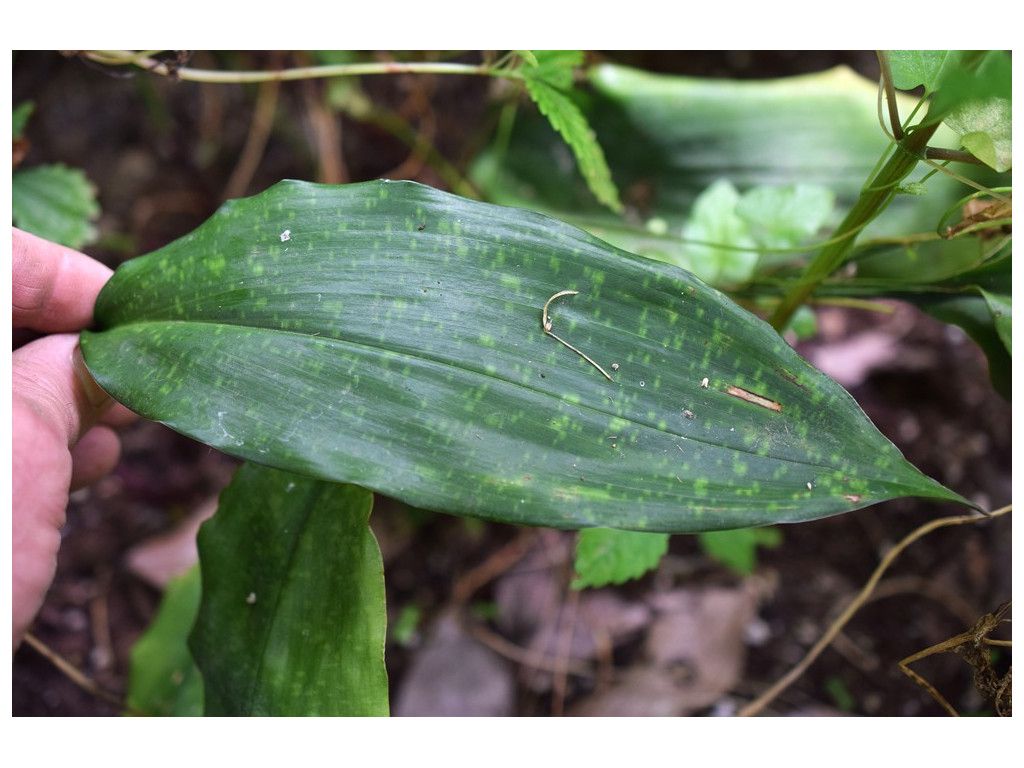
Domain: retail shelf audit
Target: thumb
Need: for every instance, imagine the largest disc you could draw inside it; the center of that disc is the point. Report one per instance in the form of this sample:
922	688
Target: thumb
49	376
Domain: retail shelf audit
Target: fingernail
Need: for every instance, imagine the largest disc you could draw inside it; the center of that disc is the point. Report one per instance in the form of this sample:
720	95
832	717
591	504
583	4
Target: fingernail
98	399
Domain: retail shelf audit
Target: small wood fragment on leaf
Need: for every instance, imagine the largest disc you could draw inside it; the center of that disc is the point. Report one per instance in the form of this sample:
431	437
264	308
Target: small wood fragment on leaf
752	397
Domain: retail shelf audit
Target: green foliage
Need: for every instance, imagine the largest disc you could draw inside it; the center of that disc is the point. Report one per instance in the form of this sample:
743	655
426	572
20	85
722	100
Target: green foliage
19	118
672	139
985	130
389	335
164	679
55	202
1001	309
839	692
737	550
731	235
548	76
969	90
292	618
607	556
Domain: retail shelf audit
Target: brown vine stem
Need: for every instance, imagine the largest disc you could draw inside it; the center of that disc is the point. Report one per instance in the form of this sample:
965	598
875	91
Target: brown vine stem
855	605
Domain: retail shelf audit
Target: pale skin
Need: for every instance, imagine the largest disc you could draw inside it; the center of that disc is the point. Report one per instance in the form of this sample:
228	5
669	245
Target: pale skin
62	423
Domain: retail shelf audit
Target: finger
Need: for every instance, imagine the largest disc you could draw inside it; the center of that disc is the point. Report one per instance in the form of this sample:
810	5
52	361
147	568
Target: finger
94	456
118	416
54	287
40	475
66	401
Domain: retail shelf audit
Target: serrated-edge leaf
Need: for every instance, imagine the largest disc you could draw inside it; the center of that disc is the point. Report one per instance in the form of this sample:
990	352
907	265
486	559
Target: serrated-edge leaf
55	202
566	118
608	556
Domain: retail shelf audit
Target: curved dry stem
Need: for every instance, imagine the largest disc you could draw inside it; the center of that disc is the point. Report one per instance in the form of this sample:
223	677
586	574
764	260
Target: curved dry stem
855	605
545	322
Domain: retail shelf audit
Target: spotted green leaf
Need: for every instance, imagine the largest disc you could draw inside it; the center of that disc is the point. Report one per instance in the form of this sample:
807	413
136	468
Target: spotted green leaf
390	335
292	618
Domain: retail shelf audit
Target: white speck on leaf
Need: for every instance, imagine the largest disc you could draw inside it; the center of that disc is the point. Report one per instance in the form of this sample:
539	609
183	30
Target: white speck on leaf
286	236
704	382
251	598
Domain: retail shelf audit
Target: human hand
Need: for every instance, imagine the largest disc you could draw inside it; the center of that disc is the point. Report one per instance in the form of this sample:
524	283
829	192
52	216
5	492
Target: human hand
60	419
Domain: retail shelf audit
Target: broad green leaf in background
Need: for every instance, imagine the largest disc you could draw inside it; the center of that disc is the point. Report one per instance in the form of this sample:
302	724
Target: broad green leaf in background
389	335
164	680
55	202
292	620
737	549
608	556
976	299
668	139
548	82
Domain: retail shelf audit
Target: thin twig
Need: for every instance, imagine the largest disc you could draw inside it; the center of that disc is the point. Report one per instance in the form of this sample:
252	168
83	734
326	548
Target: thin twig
72	672
844	618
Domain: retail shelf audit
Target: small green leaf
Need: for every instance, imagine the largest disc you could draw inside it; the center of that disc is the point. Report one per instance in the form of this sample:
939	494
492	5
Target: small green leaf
721	246
163	679
606	556
785	216
19	118
986	131
547	84
554	67
737	549
292	620
840	694
913	68
390	335
55	202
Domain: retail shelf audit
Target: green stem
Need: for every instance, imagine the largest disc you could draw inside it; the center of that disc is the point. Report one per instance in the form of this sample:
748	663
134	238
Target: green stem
298	73
873	198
